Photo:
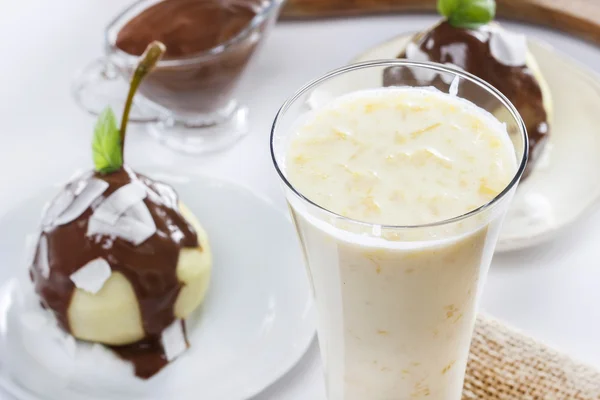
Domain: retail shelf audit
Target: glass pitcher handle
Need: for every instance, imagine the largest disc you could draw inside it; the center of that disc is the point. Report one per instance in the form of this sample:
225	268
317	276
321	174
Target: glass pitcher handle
101	84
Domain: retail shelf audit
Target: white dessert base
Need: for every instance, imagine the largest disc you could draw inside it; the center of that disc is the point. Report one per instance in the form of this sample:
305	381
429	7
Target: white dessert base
255	324
565	183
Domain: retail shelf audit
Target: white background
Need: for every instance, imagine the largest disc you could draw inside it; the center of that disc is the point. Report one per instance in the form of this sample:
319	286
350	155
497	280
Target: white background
551	292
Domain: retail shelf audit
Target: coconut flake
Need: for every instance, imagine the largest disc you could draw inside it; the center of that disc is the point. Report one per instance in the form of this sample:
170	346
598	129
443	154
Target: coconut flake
80	174
166	194
453	91
414	53
117	203
92	276
153	196
92	190
124	214
430	43
57	206
508	48
140	212
173	340
127	227
43	263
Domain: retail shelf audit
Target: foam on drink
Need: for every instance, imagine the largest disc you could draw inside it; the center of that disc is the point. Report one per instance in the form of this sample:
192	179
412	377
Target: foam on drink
401	156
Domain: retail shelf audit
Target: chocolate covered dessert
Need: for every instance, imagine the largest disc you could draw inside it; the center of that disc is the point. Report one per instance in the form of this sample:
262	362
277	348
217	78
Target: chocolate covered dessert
209	43
485	49
120	261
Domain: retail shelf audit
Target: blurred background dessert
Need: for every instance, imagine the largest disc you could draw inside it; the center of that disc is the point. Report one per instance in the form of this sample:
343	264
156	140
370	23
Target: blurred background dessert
494	54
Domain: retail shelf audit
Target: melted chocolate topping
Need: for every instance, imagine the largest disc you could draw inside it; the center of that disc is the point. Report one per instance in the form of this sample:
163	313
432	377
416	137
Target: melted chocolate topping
150	267
470	50
186	27
147	355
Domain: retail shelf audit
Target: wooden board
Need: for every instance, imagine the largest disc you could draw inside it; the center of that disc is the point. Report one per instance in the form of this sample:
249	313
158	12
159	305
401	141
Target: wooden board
579	17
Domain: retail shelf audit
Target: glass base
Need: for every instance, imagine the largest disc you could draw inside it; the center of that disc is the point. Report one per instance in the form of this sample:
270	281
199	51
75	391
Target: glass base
201	135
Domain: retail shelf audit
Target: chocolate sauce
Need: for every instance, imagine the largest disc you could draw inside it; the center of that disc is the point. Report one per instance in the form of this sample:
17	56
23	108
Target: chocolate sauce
150	267
470	50
189	28
147	355
186	27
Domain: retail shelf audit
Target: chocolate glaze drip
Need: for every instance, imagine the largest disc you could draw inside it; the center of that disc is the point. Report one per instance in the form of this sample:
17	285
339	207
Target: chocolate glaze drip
186	27
470	50
150	267
147	355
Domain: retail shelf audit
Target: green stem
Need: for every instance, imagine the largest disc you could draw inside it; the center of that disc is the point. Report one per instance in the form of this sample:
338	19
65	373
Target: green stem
148	60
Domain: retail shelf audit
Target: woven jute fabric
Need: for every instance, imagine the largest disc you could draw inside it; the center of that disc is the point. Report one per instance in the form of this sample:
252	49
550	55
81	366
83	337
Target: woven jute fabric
507	365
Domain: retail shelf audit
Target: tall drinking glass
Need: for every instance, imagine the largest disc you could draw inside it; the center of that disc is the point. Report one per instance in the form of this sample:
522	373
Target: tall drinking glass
396	304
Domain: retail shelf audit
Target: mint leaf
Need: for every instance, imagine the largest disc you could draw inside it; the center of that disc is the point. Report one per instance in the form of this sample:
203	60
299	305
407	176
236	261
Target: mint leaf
106	145
468	14
447	7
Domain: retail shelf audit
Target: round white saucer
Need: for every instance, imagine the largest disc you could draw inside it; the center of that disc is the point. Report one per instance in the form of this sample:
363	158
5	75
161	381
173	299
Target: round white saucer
254	326
566	181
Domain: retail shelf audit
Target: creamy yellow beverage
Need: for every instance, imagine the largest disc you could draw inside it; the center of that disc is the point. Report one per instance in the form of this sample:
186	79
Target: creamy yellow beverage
401	156
397	305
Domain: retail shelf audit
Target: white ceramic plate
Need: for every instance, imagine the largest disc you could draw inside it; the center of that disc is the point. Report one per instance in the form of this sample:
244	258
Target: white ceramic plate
566	180
254	326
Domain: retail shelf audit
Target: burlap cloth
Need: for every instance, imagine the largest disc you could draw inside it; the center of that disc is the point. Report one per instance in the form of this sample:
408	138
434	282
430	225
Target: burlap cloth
508	365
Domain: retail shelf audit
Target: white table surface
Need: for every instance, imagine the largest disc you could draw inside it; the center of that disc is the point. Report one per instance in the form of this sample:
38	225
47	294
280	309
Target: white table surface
551	292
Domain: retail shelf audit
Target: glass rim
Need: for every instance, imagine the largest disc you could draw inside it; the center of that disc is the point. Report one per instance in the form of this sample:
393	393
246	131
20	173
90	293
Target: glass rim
263	14
403	63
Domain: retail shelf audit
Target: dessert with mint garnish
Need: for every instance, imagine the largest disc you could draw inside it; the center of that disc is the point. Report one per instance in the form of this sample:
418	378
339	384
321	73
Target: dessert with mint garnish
120	261
469	39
